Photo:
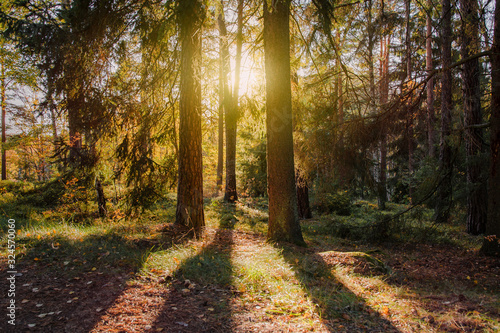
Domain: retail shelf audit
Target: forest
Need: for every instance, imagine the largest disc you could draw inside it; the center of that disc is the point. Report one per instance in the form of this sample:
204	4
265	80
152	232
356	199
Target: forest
250	165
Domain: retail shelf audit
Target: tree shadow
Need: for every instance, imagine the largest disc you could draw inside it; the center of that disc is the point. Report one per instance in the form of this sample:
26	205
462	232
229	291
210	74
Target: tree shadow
341	309
199	296
64	285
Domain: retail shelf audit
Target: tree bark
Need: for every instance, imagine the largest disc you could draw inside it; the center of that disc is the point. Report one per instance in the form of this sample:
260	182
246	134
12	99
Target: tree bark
101	199
384	96
190	187
304	208
283	219
411	146
491	243
444	191
476	185
220	143
231	194
4	111
430	84
220	146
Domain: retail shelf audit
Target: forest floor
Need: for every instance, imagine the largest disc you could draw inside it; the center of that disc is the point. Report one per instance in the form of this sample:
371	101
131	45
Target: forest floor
126	275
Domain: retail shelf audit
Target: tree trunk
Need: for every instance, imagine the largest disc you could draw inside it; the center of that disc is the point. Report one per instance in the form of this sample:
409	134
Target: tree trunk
190	187
491	243
443	197
304	209
384	96
75	137
283	219
409	102
231	194
430	84
101	199
4	111
476	186
220	146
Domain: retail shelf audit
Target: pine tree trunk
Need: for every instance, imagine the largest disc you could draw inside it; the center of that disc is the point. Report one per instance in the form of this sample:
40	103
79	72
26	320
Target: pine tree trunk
101	199
220	146
283	219
4	111
75	137
409	102
430	84
304	209
443	196
220	143
491	243
190	183
476	184
384	96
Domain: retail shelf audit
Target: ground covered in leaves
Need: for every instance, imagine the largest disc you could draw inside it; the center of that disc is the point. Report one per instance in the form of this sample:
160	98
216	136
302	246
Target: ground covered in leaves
148	277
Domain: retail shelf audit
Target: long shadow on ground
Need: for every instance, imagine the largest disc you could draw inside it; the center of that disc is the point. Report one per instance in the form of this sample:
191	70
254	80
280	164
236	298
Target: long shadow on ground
199	297
340	309
66	285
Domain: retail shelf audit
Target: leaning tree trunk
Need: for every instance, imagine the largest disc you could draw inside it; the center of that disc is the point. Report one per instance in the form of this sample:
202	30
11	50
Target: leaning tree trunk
443	197
190	183
283	220
476	185
491	243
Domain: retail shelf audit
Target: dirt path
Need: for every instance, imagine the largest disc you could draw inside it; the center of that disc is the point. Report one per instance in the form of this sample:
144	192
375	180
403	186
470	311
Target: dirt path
235	282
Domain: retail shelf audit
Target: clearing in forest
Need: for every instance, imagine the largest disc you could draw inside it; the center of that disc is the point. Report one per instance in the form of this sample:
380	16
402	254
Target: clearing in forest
131	275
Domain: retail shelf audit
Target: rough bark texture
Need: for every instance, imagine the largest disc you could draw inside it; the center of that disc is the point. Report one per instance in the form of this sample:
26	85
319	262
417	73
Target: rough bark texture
190	187
231	194
476	184
411	144
4	134
443	197
75	137
491	243
101	199
220	147
430	84
283	220
384	96
304	209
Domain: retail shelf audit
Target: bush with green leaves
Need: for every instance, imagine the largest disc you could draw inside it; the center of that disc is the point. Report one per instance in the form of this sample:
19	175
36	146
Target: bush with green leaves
328	203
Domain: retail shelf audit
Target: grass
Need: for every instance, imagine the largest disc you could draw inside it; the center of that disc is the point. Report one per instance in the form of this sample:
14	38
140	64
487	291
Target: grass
348	279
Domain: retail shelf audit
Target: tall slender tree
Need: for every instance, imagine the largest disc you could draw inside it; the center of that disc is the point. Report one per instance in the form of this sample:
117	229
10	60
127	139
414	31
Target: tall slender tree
443	199
283	220
4	111
430	84
190	14
491	243
384	97
476	185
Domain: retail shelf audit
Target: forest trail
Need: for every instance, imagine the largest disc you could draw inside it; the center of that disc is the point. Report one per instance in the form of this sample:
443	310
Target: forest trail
144	275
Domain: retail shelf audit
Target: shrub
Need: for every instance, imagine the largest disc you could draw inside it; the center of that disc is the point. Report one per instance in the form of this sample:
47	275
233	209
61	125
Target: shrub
328	203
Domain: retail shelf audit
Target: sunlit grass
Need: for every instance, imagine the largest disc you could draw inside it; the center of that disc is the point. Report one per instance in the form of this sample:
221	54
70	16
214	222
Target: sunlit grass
280	282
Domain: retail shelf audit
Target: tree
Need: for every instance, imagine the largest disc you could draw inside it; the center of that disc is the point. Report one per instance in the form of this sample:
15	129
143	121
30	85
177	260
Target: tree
384	97
443	199
283	220
476	185
189	213
430	84
4	111
491	243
